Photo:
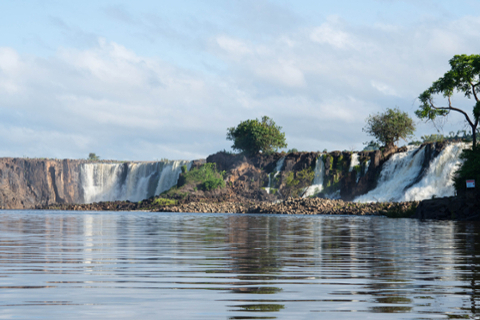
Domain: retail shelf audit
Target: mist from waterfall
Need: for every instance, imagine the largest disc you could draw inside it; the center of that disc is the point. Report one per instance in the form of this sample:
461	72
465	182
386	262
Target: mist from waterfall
131	181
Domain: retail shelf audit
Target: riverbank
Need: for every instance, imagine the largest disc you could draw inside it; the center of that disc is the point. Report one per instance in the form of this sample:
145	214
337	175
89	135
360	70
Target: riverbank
307	206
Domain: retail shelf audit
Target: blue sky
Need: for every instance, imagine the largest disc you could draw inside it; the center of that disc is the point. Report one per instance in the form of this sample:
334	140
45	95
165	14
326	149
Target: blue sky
147	80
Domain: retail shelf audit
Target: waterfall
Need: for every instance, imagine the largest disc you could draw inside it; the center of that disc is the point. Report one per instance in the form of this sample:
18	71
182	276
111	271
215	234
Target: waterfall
438	179
402	177
353	163
128	181
317	185
277	170
397	173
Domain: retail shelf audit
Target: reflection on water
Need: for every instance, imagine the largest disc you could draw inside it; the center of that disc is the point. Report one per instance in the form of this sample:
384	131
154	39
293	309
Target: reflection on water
197	266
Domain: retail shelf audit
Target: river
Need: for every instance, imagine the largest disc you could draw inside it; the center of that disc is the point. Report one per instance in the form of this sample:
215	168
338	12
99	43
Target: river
140	265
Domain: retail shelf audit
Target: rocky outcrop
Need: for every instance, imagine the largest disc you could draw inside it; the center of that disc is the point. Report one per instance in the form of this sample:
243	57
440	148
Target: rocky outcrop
27	183
309	206
464	208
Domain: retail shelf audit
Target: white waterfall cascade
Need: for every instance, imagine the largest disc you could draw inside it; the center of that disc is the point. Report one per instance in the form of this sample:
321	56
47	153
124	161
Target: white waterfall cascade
317	185
403	169
133	181
397	173
438	180
353	163
278	168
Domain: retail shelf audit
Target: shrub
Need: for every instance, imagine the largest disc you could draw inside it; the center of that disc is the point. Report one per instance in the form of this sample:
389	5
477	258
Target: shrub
206	177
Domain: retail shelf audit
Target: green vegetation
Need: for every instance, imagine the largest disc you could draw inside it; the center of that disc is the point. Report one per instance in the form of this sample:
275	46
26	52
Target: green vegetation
262	308
292	150
371	146
399	210
296	182
390	126
93	157
340	163
253	136
358	169
165	202
470	169
463	77
206	177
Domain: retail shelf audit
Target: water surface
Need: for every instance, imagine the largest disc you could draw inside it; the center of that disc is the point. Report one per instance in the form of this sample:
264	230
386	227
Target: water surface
136	265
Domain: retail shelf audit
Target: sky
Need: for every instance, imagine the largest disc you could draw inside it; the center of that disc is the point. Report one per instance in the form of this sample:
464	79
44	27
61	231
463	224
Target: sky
150	80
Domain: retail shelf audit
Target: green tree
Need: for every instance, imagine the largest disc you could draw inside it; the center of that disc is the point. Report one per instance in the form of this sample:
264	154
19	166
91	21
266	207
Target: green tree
254	136
93	157
390	126
463	77
469	169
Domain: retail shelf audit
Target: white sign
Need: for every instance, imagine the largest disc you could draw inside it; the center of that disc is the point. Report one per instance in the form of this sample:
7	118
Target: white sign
470	184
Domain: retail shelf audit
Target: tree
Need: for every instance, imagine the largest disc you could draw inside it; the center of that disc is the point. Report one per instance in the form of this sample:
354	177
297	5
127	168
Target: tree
254	136
390	126
464	77
93	157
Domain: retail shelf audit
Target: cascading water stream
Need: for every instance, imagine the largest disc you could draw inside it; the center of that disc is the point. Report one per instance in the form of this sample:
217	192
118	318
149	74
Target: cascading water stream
397	173
128	181
354	163
403	178
438	180
271	179
317	185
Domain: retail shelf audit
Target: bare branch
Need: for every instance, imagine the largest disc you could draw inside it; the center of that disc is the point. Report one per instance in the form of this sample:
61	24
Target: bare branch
454	109
473	89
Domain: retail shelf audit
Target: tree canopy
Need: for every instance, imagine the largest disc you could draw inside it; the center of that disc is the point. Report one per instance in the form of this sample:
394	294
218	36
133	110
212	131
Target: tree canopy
390	126
93	157
254	136
463	77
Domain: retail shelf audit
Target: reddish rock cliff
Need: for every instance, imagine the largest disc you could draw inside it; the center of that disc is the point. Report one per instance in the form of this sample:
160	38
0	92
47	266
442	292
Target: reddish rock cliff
28	183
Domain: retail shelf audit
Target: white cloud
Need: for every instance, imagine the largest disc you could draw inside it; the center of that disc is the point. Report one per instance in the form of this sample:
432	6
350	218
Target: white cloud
328	34
232	46
383	88
318	82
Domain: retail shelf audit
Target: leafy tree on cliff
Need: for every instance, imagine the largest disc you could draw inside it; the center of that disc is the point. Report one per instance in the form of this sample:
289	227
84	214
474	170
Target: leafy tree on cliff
254	136
390	126
463	77
93	157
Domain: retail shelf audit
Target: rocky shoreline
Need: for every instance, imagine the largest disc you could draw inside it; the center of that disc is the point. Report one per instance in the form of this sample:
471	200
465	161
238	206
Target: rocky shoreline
307	206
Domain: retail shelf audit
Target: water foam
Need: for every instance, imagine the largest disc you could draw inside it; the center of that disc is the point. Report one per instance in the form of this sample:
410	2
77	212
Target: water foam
399	175
128	181
398	172
317	185
438	180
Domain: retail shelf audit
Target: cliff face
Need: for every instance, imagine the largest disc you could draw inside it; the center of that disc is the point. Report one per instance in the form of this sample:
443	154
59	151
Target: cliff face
248	178
30	183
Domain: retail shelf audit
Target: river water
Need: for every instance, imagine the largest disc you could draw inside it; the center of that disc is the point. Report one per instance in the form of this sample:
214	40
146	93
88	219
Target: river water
138	265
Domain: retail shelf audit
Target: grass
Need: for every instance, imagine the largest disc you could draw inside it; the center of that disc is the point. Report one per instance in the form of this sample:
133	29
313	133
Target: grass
164	202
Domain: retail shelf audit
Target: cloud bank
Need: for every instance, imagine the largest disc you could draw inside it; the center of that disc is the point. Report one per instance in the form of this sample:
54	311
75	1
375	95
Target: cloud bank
319	82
